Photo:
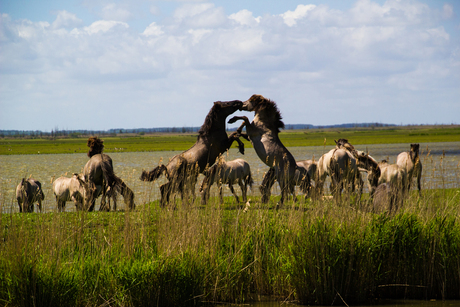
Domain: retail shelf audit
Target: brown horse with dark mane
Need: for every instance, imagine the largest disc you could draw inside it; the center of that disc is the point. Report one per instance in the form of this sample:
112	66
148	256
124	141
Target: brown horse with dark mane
100	178
183	169
263	133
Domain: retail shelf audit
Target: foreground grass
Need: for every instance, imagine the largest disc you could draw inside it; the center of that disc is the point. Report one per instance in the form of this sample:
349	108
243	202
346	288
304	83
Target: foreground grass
312	253
290	138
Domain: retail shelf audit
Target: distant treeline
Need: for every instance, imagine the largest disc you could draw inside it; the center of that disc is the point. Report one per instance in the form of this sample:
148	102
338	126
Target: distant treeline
140	131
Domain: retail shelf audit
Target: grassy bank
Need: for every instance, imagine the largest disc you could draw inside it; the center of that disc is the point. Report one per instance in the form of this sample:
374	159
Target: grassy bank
309	253
290	138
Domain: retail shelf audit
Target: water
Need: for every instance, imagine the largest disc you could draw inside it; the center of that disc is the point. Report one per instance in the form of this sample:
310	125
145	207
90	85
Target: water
441	169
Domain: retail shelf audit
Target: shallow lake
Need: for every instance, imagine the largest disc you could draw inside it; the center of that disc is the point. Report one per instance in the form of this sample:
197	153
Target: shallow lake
441	169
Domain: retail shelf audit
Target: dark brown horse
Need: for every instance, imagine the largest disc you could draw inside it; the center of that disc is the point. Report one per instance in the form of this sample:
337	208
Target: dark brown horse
183	169
263	134
99	177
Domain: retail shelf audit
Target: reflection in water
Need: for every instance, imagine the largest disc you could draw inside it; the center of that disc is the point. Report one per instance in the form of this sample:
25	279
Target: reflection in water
441	169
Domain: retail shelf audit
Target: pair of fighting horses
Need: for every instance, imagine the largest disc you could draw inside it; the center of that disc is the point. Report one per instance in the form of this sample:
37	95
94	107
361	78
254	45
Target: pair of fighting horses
183	169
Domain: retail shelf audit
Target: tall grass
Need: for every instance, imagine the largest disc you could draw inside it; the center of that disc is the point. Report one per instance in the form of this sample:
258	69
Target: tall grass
310	253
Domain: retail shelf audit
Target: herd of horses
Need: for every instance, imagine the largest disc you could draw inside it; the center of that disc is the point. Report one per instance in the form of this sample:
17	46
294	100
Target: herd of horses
388	183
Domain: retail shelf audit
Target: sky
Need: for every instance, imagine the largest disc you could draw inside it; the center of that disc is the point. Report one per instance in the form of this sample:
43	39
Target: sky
105	64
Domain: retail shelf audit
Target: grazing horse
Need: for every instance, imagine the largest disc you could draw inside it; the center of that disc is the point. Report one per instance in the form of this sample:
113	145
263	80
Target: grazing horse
410	161
100	177
28	192
342	167
263	133
235	171
69	189
183	169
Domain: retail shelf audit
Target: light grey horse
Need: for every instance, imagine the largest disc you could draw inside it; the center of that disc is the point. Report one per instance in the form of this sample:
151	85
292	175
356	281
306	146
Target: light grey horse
395	178
69	189
263	133
28	192
342	167
235	171
410	161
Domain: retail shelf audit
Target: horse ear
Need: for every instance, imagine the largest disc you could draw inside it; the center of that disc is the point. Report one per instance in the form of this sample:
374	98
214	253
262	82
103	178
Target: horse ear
335	141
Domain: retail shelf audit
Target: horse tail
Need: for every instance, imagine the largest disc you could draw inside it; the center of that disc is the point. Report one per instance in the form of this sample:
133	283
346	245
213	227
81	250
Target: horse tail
107	171
249	180
127	193
153	174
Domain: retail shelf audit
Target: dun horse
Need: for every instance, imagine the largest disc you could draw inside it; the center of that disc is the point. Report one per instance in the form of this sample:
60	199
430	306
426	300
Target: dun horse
263	133
235	171
342	167
183	169
100	177
410	161
28	192
69	189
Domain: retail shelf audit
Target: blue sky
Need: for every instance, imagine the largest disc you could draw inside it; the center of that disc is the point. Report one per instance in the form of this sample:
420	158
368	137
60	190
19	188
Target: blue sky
143	63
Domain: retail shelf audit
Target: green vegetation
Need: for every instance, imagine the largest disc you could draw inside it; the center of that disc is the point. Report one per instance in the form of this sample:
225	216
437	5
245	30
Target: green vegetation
313	252
180	142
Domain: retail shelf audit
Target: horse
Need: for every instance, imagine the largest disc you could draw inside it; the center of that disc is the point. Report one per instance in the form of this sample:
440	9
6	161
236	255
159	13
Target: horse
28	192
410	161
235	171
395	176
182	170
342	167
69	189
386	198
99	177
305	172
263	132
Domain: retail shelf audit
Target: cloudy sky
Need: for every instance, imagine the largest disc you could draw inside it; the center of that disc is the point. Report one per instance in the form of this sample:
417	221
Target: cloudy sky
101	64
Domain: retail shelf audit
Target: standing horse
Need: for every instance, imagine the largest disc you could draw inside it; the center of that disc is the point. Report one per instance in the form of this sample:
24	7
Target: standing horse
410	161
183	169
100	178
69	189
29	191
395	177
263	133
342	167
305	172
235	171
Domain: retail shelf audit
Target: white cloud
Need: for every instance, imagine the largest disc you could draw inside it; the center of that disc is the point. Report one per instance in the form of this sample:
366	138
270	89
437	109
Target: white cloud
153	30
245	17
291	17
104	26
65	19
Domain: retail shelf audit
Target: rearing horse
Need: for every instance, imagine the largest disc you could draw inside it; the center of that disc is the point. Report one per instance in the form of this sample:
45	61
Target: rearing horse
183	169
263	134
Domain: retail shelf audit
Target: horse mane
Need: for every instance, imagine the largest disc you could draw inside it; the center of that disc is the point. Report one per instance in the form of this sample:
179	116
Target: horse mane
210	119
95	145
269	106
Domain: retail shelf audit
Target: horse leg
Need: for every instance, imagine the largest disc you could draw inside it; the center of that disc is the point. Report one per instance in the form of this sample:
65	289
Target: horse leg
165	190
230	185
221	196
244	188
40	205
267	182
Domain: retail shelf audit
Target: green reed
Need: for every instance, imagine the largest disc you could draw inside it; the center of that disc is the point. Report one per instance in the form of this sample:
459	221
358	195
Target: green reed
308	252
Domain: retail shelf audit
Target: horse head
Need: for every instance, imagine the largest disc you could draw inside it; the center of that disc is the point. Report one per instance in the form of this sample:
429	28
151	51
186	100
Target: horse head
414	151
218	113
266	110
